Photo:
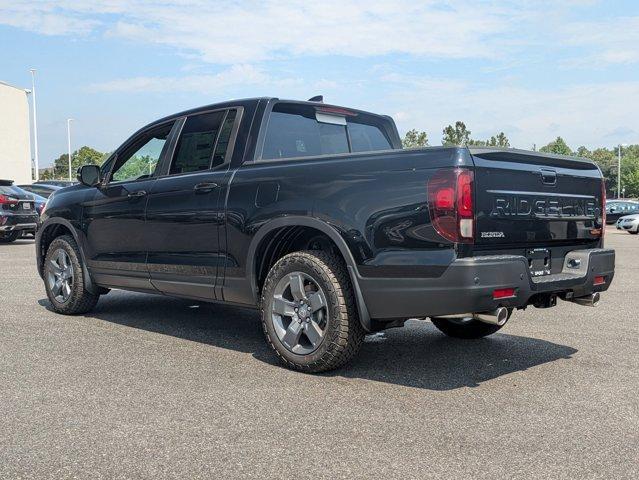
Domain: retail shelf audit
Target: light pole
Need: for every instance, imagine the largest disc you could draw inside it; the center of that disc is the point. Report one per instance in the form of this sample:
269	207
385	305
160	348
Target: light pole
69	120
619	169
35	125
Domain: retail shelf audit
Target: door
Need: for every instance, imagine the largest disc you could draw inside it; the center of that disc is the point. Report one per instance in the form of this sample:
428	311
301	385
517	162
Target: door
185	211
117	240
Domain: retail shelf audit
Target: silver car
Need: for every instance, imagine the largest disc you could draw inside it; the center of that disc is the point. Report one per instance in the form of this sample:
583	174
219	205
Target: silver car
629	223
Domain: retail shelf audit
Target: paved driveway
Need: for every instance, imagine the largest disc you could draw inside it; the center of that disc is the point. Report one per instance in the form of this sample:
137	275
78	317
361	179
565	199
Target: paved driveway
147	386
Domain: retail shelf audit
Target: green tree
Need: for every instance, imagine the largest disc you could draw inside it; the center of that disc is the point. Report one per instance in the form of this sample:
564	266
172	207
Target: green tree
457	135
83	156
630	176
557	146
415	139
500	140
136	167
607	162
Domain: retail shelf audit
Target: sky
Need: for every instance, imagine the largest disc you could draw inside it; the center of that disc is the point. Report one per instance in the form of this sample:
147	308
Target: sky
532	69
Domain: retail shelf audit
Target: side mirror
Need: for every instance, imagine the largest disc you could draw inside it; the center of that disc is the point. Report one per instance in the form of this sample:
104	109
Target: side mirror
89	175
612	210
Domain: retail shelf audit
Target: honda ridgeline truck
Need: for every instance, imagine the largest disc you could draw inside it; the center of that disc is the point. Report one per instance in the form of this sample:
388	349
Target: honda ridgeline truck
315	214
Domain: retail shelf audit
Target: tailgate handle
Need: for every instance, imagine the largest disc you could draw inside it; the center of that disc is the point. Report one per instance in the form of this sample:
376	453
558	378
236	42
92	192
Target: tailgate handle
548	176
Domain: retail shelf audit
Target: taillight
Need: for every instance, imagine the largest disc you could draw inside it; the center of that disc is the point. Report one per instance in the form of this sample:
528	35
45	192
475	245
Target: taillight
7	200
450	200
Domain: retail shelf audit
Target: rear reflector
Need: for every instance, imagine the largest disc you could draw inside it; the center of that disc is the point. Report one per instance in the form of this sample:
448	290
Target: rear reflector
599	280
503	293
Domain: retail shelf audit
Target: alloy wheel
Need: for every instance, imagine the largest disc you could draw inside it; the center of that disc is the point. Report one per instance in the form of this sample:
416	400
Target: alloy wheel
60	276
299	313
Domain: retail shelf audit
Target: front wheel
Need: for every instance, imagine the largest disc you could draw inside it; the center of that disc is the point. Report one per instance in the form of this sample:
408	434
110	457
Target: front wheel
64	278
309	315
466	327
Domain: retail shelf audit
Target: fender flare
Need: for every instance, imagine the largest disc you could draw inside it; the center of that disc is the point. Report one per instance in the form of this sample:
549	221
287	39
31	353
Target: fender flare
330	232
51	222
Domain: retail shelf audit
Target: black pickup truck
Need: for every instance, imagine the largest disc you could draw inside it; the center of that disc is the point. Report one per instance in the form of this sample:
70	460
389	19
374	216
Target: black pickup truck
315	214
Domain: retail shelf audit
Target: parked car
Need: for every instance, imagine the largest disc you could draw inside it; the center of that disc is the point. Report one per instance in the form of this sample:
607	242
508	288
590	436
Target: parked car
41	189
57	183
629	223
619	208
18	212
315	215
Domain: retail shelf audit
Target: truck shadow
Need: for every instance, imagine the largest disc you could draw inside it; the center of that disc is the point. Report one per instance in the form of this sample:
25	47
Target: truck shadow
415	356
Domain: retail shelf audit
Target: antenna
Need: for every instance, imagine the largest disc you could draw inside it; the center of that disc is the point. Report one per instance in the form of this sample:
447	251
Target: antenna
317	98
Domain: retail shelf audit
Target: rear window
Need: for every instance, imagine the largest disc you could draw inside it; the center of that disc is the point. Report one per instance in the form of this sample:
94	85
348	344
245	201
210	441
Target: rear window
366	137
303	130
11	190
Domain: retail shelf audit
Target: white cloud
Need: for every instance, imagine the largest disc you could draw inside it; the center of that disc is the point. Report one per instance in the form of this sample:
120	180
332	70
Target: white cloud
584	114
610	41
231	32
235	75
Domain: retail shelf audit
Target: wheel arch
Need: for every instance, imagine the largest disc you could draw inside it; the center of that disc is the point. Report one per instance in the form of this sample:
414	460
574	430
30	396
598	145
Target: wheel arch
272	227
51	229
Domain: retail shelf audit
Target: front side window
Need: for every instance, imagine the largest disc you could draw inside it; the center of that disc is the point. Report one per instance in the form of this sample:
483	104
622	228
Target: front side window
140	159
194	151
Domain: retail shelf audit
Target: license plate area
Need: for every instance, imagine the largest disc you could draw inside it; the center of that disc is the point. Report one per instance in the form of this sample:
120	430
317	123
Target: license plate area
539	260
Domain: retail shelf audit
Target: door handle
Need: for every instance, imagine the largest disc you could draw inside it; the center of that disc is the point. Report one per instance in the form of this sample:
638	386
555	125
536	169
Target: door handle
548	177
138	194
205	186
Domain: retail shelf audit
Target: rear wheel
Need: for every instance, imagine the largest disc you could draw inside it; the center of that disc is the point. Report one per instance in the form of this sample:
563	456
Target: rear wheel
9	237
465	327
64	278
309	314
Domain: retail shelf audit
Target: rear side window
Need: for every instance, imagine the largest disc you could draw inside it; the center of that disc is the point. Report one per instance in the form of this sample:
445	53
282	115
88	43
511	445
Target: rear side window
293	131
194	150
296	130
223	141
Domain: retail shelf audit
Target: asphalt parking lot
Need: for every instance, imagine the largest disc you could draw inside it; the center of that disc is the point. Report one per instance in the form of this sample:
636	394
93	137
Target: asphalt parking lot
152	387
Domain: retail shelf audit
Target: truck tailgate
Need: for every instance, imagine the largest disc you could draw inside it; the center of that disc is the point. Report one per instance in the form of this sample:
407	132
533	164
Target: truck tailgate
527	198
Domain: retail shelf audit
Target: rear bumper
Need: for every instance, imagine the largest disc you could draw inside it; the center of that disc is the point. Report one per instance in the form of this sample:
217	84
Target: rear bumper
11	223
467	285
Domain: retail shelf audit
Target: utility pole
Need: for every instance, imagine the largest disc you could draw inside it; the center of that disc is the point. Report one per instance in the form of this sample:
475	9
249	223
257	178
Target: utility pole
35	126
69	120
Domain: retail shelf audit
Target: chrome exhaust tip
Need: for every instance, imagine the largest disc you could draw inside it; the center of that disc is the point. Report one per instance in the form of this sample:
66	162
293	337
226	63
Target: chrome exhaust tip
499	316
591	300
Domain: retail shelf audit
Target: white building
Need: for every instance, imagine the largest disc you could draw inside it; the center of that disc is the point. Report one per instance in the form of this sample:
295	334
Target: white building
15	144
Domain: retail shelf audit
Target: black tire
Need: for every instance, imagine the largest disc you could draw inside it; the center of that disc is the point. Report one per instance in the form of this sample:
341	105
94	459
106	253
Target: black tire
343	333
80	299
467	328
633	233
9	237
